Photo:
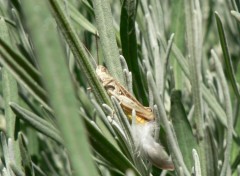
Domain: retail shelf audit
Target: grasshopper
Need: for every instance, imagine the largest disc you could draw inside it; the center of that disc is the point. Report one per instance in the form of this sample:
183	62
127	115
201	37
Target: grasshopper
127	101
153	150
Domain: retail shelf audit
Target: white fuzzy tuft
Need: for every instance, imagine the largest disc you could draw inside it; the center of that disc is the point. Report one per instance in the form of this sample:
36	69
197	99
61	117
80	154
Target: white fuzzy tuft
142	133
147	147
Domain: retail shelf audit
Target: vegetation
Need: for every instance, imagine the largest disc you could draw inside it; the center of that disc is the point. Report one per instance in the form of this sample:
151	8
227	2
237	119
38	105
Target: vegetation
178	57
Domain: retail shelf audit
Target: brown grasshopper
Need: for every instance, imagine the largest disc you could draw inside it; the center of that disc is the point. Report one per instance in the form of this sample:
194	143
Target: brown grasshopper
127	101
153	150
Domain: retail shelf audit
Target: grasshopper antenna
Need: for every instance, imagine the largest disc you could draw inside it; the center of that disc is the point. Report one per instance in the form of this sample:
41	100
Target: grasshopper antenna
96	40
93	61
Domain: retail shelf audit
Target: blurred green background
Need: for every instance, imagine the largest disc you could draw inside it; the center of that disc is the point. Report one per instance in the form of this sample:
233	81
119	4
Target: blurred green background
178	57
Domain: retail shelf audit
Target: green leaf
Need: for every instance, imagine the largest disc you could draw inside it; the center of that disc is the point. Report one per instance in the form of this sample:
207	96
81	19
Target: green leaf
5	151
108	151
207	95
78	51
229	113
236	15
22	71
178	28
58	82
211	152
16	170
81	20
193	18
197	166
37	122
182	128
10	93
172	144
98	141
26	159
227	57
25	44
129	45
108	42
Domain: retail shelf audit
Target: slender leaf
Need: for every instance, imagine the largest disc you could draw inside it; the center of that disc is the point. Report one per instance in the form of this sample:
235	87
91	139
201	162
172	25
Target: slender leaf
9	87
26	159
37	122
21	62
16	170
229	135
78	51
194	45
129	45
236	15
178	28
207	96
10	93
6	153
197	168
212	155
81	20
172	144
227	57
108	151
105	28
21	72
182	128
59	86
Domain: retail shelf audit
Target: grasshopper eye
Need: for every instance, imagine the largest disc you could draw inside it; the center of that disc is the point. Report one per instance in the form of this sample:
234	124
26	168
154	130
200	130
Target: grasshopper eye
103	69
110	87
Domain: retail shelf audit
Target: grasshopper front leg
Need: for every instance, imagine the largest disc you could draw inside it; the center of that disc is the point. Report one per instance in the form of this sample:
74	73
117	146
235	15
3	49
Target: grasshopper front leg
143	114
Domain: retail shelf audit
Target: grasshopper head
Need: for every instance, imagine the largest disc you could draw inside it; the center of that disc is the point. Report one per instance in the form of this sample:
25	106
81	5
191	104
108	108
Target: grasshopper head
101	69
102	73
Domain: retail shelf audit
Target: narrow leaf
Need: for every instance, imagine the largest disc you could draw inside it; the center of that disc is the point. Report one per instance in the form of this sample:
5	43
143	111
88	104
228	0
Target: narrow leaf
59	85
228	108
10	93
211	151
26	159
37	122
16	170
207	96
105	28
236	15
108	151
129	45
182	128
227	57
81	20
172	144
178	28
78	51
197	168
21	74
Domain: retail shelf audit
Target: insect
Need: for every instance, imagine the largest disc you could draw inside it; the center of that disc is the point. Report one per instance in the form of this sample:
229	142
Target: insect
127	101
144	120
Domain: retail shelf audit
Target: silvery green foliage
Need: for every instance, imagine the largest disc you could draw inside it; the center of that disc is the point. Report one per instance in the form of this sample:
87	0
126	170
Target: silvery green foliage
178	58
